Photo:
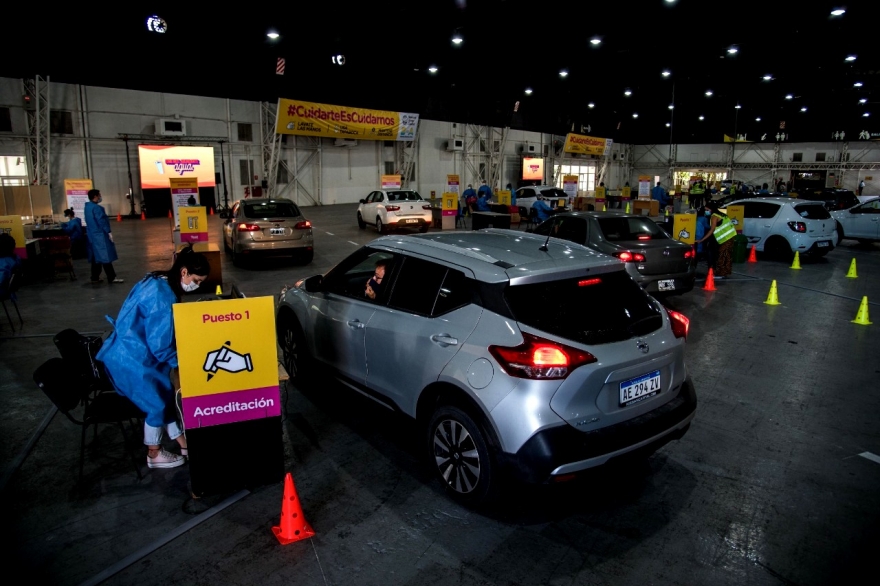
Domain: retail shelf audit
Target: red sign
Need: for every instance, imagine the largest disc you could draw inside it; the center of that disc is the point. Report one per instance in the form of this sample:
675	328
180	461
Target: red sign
279	66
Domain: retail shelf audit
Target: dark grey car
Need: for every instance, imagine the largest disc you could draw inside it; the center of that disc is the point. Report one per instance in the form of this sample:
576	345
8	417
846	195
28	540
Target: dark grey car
657	262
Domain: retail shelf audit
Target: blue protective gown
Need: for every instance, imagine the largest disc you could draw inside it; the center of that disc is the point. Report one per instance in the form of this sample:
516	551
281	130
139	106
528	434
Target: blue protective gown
659	194
74	229
100	250
512	194
141	351
542	210
483	204
7	265
702	228
485	189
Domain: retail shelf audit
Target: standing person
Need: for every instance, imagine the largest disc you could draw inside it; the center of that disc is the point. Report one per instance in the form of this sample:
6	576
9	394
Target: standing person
861	186
512	194
470	198
780	186
101	248
696	194
719	238
659	194
140	356
484	190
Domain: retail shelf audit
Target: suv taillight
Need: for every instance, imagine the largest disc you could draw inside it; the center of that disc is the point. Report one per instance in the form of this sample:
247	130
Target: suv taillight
630	256
392	208
540	359
680	324
249	228
798	226
305	225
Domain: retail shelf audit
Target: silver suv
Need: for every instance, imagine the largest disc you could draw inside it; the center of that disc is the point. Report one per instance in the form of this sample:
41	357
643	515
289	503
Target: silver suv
519	356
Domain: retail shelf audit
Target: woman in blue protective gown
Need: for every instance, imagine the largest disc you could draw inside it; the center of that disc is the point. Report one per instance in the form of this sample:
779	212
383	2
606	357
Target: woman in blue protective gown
140	356
73	228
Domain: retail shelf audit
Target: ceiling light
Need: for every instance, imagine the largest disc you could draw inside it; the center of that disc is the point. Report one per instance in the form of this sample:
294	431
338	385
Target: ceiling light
804	109
850	58
595	41
708	93
456	39
863	101
671	106
591	105
737	106
788	96
866	114
732	50
838	11
635	115
758	119
528	91
702	117
272	35
667	125
857	84
666	73
563	73
627	92
156	24
433	69
768	77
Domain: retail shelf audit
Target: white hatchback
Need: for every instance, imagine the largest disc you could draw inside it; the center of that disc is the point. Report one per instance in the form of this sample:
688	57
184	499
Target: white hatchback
395	208
861	222
781	226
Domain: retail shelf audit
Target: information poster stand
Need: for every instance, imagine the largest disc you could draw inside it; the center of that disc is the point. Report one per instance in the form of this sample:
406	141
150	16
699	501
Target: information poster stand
230	396
449	210
182	188
77	192
193	224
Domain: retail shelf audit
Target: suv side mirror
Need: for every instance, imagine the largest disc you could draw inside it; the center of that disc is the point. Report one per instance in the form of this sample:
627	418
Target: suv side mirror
362	201
313	283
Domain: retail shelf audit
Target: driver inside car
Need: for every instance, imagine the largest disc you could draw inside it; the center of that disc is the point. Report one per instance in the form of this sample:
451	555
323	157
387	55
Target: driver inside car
376	282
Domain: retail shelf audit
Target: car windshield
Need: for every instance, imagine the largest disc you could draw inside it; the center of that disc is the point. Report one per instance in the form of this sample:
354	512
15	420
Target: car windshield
404	196
270	209
592	310
622	229
812	212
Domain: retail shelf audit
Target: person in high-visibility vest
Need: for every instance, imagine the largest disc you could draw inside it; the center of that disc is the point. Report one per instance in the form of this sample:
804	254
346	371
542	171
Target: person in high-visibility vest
719	241
695	196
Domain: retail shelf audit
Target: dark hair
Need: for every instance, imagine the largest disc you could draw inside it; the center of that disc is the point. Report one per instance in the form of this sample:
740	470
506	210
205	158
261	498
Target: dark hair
68	213
7	245
194	262
93	193
383	262
712	205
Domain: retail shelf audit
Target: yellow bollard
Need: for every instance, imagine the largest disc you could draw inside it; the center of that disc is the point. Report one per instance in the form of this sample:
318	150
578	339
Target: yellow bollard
797	261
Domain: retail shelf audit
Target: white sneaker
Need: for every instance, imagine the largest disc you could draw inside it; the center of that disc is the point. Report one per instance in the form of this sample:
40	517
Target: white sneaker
165	459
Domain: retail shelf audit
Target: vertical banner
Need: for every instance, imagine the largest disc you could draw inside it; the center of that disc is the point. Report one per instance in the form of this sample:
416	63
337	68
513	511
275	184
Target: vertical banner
193	224
453	184
736	215
503	196
570	186
450	204
391	182
684	228
600	198
182	188
228	361
626	193
644	187
12	225
77	191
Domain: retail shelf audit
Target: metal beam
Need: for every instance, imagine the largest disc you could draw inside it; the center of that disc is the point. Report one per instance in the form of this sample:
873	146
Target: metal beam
271	146
38	119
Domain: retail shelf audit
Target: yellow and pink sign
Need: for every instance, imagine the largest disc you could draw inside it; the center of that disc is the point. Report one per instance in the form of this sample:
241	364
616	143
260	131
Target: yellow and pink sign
311	119
12	225
449	204
684	228
736	215
77	192
586	145
390	181
570	186
228	361
182	188
193	224
453	184
159	163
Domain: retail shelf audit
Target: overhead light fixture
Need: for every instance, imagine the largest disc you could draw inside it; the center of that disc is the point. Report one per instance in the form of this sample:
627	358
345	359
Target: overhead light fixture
857	84
789	96
272	35
528	91
666	73
737	106
758	119
668	125
595	41
156	24
708	93
457	39
804	109
866	114
702	117
635	115
627	92
672	106
591	105
433	69
733	50
563	73
863	101
850	58
768	77
338	59
838	12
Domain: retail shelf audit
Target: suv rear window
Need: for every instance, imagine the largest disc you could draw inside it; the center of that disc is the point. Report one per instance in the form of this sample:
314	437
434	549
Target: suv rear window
622	229
591	310
812	212
271	209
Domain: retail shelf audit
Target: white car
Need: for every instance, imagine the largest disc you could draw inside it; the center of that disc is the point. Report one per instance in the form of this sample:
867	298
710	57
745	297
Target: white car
395	208
861	222
526	196
781	226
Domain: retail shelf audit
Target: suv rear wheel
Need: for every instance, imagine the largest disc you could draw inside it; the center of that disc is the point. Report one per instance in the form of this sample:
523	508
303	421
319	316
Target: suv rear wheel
380	228
293	349
459	455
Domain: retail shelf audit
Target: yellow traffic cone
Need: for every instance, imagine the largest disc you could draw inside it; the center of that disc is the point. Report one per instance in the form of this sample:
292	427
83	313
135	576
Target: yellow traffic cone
797	261
852	270
603	208
627	207
773	297
667	211
219	290
862	315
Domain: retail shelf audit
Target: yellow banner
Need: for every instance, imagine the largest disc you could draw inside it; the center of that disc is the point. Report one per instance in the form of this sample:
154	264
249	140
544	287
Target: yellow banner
77	185
731	139
193	224
390	181
450	202
684	228
311	119
736	215
626	193
12	225
503	196
587	145
600	194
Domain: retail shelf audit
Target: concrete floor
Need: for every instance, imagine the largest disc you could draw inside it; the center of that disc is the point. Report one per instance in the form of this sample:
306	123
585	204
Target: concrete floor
770	485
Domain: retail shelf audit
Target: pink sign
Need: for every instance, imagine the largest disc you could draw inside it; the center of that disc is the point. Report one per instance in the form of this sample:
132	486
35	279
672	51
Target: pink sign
222	408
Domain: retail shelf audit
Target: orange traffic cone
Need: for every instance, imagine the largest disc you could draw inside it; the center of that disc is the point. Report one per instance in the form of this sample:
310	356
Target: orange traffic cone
170	215
293	525
212	211
118	217
753	257
143	216
710	282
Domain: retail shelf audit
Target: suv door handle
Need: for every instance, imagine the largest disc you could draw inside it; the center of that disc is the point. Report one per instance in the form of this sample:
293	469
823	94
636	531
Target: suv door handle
444	340
356	324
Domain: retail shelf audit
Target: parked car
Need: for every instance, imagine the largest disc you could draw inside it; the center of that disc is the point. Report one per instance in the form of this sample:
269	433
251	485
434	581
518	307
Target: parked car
265	226
653	259
398	208
832	199
724	200
780	226
526	196
861	222
518	359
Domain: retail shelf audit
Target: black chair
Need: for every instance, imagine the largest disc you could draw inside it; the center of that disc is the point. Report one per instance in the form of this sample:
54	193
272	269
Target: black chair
69	392
81	353
7	293
532	219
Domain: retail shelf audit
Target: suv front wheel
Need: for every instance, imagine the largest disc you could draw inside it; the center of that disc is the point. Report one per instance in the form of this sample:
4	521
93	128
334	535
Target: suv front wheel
460	456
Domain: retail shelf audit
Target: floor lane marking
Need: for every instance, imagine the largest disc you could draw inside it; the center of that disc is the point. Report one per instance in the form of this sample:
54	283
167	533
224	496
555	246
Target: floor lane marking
873	457
355	243
330	233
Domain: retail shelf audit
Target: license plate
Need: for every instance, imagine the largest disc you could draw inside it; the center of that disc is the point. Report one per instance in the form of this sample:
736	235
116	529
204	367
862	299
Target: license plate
411	221
667	285
823	244
640	388
276	231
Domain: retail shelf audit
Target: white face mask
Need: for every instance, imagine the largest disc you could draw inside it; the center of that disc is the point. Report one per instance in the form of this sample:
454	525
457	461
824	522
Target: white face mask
189	287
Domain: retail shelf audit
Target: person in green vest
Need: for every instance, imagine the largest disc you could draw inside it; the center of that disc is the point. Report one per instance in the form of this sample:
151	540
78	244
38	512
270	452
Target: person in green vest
696	194
719	241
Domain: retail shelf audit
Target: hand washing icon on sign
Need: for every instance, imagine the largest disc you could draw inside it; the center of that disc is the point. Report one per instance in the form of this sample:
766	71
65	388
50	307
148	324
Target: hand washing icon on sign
225	358
684	235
